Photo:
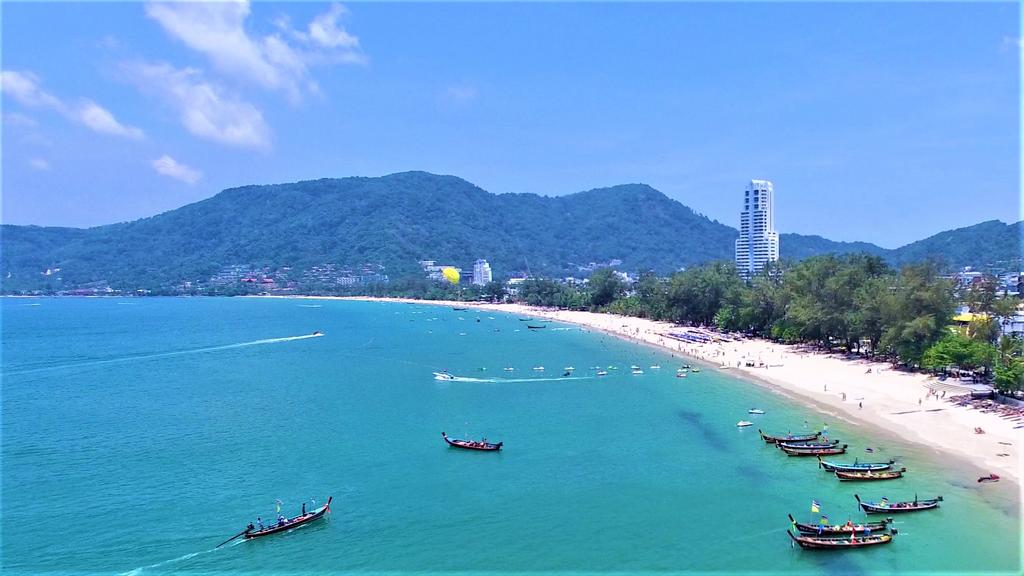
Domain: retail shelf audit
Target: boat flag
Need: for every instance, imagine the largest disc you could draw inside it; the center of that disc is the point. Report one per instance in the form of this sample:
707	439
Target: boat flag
824	520
277	504
815	506
884	502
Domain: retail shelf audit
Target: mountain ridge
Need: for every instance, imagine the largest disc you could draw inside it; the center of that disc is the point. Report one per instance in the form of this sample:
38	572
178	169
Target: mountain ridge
398	219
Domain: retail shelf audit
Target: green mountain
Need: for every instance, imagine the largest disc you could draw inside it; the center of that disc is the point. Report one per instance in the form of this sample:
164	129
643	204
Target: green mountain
399	219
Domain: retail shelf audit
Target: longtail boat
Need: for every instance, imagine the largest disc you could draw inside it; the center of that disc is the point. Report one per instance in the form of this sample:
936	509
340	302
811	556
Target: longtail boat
789	437
807	445
532	327
290	523
886	507
869	474
840	543
840	529
815	452
856	466
471	444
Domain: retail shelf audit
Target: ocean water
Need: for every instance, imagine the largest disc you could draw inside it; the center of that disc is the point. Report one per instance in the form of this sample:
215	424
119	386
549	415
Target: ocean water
139	433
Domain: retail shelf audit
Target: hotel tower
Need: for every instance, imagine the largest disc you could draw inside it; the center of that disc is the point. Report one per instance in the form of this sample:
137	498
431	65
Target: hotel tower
758	243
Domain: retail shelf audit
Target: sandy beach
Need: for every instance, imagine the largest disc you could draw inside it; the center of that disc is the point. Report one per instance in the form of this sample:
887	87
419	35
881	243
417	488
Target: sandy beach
856	390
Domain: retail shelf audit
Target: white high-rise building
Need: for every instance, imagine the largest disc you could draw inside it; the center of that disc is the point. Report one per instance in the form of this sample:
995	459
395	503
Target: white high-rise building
481	273
758	243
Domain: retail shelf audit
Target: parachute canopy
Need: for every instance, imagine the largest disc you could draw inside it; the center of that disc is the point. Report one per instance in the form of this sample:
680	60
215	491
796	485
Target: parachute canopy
450	274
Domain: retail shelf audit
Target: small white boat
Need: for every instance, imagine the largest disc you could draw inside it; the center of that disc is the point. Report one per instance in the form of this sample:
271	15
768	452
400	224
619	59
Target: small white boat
509	369
743	423
443	376
602	373
637	371
680	374
755	411
655	367
538	368
695	369
634	367
569	368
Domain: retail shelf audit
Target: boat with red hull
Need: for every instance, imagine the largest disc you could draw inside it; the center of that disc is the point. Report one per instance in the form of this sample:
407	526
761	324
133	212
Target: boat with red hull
471	444
885	507
854	541
840	529
291	523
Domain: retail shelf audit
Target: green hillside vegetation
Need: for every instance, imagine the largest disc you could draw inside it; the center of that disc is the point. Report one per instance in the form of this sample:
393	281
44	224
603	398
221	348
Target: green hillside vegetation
396	220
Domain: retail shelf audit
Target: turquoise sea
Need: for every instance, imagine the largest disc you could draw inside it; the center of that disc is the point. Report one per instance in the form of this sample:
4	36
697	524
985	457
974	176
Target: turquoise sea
139	433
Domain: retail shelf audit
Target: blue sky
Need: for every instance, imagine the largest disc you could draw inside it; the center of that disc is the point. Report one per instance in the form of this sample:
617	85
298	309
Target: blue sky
877	122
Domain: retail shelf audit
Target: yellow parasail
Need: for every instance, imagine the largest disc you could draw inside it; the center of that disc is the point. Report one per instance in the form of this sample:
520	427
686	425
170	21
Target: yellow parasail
451	274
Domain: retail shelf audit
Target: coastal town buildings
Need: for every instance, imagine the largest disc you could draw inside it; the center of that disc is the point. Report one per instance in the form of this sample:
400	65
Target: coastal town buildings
758	243
481	273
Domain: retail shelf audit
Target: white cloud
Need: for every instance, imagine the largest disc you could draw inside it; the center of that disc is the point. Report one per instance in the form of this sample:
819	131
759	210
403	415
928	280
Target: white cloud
218	31
170	167
100	119
24	87
39	164
19	120
204	109
462	92
324	29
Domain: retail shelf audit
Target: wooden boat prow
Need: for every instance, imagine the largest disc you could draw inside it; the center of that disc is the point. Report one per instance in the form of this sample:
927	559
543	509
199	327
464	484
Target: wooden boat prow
915	505
816	543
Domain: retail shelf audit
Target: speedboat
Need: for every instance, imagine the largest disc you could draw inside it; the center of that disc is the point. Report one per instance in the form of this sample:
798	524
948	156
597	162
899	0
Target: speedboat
538	368
743	423
509	369
755	411
655	367
694	369
680	374
318	333
602	373
443	376
634	367
569	368
637	371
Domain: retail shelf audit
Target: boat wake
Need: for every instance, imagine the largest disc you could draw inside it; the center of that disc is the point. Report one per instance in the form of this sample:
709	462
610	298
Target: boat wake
182	558
161	354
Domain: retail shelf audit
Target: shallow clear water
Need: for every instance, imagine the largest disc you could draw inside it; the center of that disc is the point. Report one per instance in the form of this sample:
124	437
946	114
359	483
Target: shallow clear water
139	433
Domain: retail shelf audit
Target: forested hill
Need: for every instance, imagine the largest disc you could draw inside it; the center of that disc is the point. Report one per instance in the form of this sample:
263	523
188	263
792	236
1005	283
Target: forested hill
395	221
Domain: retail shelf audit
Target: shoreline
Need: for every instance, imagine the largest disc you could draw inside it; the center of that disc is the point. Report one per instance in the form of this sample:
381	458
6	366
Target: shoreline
894	402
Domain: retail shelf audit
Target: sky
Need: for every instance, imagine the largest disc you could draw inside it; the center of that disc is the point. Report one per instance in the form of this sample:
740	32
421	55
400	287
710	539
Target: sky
879	122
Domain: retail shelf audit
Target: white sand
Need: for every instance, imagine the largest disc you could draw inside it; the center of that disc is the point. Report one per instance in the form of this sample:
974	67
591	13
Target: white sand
893	400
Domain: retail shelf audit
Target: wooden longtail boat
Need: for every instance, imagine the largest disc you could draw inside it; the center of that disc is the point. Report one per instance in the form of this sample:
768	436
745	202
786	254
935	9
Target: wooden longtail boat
816	452
789	437
532	327
856	466
471	444
807	445
291	523
840	543
869	474
889	507
840	529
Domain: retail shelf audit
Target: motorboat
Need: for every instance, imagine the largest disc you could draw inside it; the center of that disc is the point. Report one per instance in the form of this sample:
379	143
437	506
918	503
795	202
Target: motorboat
443	376
744	423
755	411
